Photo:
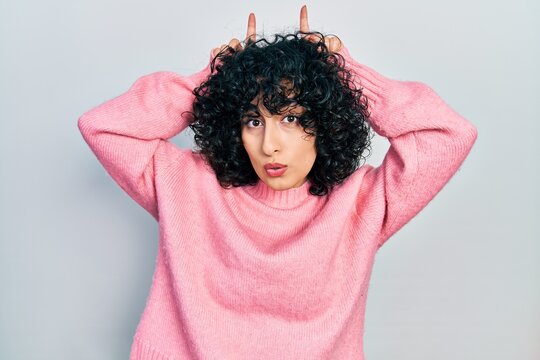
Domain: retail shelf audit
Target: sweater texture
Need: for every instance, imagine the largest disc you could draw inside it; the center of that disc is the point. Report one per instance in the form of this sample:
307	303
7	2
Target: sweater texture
255	273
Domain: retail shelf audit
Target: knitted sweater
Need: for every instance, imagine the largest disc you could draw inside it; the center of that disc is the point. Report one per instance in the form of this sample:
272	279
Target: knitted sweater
255	273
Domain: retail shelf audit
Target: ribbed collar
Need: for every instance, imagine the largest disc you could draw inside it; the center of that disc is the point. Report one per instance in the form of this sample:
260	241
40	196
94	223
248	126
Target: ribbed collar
285	199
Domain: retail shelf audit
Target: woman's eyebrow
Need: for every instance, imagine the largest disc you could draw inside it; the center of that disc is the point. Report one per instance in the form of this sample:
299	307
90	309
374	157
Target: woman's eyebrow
296	109
256	114
293	108
252	113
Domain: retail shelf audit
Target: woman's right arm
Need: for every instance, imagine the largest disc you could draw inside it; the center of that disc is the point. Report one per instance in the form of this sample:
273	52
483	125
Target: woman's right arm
126	132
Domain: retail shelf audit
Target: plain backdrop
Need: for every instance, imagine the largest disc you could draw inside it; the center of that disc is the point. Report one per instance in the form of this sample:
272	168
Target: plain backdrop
460	281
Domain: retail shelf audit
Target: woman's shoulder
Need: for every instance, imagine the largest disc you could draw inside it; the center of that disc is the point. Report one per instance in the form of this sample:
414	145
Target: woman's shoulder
169	155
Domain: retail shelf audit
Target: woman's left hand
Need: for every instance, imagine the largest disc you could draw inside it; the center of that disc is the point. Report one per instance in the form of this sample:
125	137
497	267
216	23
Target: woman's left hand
332	43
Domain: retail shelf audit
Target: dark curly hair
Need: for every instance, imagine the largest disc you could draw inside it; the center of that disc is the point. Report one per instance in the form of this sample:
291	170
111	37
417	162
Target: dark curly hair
336	111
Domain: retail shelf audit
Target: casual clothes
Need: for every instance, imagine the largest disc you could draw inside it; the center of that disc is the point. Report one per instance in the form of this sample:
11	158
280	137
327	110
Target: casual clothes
255	273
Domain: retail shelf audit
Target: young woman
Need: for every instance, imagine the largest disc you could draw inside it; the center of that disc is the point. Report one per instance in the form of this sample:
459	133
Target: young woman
268	231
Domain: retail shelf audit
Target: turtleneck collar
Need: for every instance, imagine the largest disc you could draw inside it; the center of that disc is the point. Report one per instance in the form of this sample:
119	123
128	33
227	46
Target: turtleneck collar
284	199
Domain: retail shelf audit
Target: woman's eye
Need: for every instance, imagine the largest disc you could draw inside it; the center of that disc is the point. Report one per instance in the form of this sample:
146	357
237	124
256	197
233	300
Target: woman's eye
254	121
288	118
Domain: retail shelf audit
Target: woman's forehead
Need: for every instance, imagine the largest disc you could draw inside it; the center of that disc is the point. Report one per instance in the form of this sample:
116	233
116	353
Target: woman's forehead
288	87
257	103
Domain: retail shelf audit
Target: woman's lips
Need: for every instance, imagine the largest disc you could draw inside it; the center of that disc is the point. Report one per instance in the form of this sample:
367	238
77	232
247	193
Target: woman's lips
276	172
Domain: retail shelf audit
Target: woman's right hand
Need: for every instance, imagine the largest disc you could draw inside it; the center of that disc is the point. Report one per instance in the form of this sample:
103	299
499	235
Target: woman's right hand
235	43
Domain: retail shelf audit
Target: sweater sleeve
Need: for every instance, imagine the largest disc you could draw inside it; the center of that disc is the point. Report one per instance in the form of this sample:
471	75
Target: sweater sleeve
126	132
428	143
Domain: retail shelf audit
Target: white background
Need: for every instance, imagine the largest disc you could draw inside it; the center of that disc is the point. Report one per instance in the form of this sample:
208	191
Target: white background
460	281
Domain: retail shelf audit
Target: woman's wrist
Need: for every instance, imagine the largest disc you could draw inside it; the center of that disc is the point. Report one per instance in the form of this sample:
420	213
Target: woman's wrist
375	86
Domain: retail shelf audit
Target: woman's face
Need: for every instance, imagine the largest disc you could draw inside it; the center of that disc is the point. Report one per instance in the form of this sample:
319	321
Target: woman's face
278	139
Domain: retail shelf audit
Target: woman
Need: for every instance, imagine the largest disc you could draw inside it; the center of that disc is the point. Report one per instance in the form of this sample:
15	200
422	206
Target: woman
268	232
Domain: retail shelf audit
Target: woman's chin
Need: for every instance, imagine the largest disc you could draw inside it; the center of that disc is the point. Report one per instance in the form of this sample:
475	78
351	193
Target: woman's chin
279	183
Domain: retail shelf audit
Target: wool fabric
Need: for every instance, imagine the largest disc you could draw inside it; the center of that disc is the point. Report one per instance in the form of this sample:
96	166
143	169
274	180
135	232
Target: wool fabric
251	272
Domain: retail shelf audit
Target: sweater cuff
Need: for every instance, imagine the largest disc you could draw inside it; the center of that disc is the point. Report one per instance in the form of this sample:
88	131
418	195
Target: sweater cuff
375	87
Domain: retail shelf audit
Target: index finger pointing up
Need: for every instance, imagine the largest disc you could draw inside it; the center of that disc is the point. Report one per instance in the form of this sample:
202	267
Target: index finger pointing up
252	27
304	26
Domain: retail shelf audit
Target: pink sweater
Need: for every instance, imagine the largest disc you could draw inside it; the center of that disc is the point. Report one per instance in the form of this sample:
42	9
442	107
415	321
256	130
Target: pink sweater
255	273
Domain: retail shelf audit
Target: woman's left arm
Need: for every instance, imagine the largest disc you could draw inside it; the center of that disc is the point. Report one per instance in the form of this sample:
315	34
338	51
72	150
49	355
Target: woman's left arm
429	142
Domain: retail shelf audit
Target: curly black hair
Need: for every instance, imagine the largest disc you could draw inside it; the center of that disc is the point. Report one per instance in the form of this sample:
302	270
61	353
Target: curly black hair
336	111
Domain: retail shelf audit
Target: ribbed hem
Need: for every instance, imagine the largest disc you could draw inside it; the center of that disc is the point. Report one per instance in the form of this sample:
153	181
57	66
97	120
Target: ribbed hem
143	351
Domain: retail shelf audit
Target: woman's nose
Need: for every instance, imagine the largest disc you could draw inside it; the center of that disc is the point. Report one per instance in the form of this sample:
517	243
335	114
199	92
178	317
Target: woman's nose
271	139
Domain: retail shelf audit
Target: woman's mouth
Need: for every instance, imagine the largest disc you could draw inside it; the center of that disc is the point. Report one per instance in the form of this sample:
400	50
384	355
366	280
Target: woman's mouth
276	171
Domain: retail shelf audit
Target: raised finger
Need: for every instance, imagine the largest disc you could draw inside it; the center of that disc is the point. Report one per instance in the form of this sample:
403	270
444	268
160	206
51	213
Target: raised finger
251	28
304	25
